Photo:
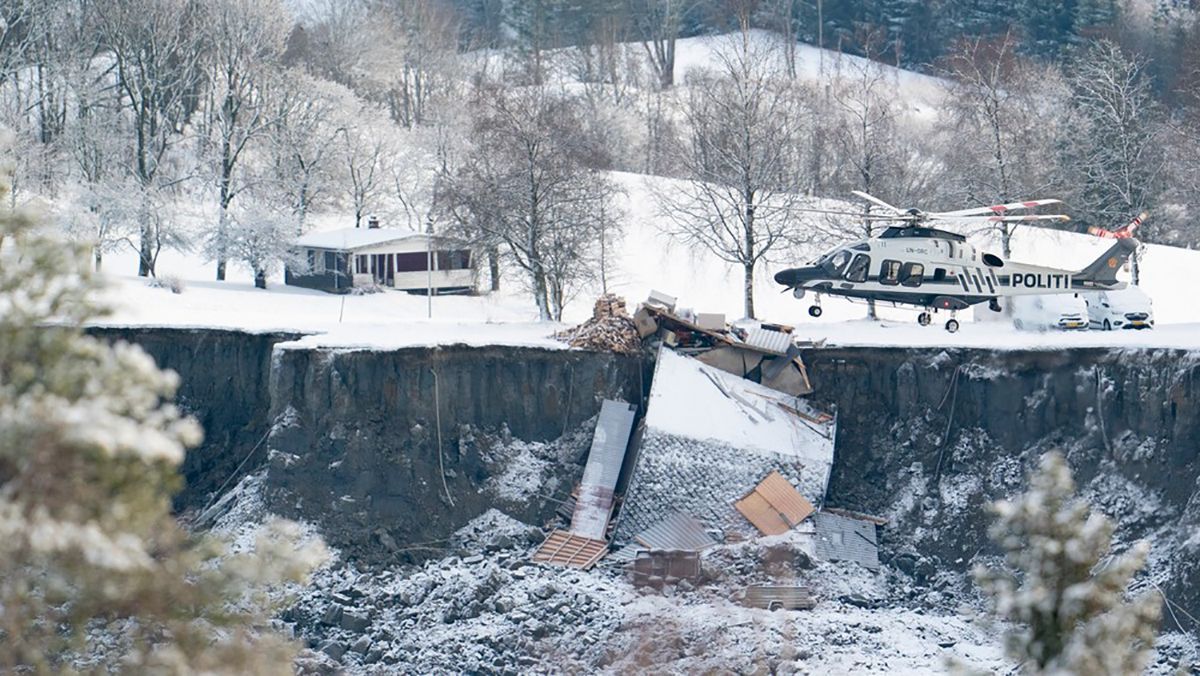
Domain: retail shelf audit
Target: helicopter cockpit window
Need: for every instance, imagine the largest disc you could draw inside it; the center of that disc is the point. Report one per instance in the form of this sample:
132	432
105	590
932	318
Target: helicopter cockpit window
857	272
912	274
836	262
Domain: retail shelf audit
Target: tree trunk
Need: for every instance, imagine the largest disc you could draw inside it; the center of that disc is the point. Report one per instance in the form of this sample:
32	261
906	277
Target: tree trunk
540	291
748	289
493	257
260	278
226	197
98	257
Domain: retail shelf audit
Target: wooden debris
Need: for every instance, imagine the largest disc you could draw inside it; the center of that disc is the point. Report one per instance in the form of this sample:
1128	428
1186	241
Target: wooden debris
610	329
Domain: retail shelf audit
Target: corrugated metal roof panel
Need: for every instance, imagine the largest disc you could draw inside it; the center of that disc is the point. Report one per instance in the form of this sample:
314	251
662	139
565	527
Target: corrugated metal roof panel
594	506
841	538
677	531
759	512
769	341
772	597
625	554
785	498
567	549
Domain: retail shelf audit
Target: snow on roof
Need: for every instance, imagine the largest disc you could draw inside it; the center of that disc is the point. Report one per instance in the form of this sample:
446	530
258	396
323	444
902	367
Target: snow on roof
354	238
695	401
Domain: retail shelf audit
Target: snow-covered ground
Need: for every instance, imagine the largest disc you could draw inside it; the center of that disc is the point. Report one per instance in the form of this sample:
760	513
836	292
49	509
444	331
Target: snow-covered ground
648	260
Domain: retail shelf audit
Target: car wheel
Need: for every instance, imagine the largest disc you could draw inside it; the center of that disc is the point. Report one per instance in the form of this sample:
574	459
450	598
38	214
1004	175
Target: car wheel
1107	325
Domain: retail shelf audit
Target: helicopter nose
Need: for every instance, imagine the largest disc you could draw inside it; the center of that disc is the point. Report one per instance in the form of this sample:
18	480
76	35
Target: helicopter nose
796	276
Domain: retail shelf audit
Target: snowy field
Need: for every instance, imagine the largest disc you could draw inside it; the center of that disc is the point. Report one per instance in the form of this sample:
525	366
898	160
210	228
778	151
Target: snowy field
647	260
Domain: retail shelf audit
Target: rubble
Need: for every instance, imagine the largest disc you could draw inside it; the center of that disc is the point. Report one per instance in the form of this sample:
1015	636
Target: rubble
610	329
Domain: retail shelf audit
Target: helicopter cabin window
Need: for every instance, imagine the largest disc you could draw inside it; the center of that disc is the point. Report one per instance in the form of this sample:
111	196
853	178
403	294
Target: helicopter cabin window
889	273
939	274
912	274
857	272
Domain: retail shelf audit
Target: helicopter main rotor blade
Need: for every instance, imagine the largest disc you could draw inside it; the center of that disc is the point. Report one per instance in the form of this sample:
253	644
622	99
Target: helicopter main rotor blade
1028	218
996	209
875	200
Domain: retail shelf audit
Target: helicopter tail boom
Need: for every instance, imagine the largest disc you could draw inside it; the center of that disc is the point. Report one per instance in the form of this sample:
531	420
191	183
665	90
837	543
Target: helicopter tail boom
1102	272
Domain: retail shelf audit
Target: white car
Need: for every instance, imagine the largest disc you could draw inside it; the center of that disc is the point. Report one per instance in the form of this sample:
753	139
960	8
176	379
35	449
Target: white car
1128	308
1048	312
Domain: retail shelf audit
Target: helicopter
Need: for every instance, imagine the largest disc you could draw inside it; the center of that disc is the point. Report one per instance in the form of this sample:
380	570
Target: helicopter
912	263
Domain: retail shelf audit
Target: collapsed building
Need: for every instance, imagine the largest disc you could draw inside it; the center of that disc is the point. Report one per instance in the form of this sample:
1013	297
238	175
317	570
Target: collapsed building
727	449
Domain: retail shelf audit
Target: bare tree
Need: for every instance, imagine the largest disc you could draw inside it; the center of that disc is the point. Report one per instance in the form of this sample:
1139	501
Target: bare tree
1118	155
527	189
154	46
659	22
366	158
743	160
244	40
1004	120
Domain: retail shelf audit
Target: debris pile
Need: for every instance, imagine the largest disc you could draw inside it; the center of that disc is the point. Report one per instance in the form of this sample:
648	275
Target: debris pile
610	329
761	352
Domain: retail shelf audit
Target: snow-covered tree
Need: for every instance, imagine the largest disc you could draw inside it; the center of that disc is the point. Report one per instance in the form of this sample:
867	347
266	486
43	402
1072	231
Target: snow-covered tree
244	40
1063	588
1004	125
1117	149
261	238
90	445
366	155
742	159
304	140
529	188
156	51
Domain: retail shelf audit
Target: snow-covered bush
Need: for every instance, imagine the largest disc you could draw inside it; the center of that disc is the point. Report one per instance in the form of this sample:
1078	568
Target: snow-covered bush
1064	589
170	282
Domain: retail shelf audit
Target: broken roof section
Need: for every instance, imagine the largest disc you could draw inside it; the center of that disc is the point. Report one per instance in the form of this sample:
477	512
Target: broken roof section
711	436
846	538
774	506
692	400
677	531
594	504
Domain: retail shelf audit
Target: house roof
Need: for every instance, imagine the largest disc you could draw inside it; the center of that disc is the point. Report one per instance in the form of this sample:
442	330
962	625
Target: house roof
349	239
696	401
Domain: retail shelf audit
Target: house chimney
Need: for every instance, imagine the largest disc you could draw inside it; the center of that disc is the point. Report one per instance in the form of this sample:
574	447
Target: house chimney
373	222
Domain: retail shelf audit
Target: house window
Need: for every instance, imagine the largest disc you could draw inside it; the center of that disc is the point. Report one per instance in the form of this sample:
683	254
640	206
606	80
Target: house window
361	265
310	258
889	273
412	262
330	261
911	274
453	260
857	272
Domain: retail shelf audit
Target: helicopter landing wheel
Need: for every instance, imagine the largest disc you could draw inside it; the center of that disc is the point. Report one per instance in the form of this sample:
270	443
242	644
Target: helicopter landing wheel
924	319
952	326
814	311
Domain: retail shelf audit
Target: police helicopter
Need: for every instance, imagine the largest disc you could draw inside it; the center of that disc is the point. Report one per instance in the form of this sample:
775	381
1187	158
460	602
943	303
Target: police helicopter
912	263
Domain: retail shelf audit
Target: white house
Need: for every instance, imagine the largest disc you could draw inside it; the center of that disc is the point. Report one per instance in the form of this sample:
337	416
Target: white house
339	260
